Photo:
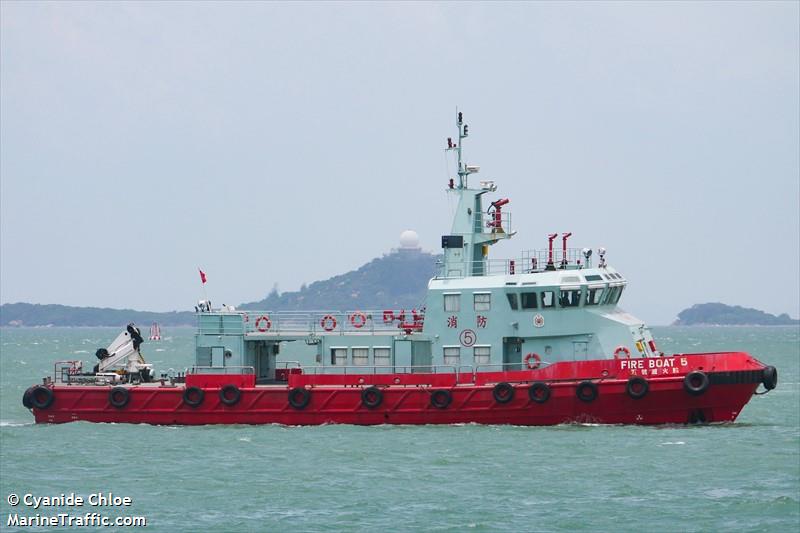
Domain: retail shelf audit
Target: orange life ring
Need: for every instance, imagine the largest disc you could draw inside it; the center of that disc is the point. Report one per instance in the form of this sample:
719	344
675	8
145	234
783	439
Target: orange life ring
328	323
358	320
624	350
537	361
266	326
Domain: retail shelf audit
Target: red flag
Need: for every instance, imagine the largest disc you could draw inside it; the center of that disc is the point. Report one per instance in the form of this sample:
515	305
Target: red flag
202	276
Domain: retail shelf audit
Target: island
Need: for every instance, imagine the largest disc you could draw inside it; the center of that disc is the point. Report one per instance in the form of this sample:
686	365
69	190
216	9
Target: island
719	314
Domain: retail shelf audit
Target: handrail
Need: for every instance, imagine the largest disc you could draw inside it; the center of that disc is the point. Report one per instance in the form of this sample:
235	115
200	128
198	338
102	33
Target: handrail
216	369
529	261
307	323
365	369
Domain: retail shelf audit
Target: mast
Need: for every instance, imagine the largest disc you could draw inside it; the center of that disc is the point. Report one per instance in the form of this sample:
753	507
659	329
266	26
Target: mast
466	248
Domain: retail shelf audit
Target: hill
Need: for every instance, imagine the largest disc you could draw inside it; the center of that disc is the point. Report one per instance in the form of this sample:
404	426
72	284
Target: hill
397	280
726	315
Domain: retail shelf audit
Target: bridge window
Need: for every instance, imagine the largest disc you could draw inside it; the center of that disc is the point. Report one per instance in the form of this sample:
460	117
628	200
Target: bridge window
548	299
452	355
482	354
528	300
617	295
570	297
382	354
339	356
452	303
512	300
360	356
594	295
482	301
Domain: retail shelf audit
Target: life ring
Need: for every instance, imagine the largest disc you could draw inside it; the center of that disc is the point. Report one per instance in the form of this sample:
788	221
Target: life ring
537	361
371	397
769	377
230	394
41	397
637	387
624	350
696	382
328	323
539	392
388	317
586	391
193	396
267	323
299	398
358	319
119	397
441	398
503	392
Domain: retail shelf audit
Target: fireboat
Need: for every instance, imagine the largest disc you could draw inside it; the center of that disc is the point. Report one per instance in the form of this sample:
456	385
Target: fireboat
534	340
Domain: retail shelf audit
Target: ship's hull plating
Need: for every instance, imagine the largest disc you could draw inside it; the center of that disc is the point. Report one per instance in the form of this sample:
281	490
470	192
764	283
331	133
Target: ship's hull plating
732	378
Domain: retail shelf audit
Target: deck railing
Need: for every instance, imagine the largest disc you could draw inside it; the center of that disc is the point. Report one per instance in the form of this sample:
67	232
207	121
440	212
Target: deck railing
528	262
310	322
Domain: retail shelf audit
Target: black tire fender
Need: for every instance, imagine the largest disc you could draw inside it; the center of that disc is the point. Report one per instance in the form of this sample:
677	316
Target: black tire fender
539	392
503	392
696	382
586	391
41	397
769	377
119	397
441	398
371	397
193	396
299	398
230	394
26	398
637	387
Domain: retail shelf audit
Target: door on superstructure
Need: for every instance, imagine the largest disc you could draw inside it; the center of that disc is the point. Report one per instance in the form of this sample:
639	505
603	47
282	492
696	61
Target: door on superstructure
512	353
217	356
580	350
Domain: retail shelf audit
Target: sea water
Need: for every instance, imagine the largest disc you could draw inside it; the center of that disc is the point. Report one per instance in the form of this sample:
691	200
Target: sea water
743	476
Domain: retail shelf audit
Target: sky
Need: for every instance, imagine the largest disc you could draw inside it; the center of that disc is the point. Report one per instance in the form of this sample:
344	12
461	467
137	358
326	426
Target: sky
283	143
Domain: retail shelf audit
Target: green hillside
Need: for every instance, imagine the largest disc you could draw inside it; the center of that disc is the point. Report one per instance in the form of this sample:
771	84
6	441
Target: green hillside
730	315
396	280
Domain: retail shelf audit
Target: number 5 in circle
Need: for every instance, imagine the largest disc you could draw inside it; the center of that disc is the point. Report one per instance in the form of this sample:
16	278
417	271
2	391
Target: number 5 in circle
467	338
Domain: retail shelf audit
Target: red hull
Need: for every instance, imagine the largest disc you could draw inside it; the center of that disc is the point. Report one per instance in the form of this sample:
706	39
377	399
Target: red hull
407	398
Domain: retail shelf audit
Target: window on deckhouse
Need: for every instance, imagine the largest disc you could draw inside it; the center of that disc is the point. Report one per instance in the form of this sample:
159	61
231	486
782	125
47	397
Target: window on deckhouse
338	356
594	295
361	356
382	356
482	301
452	303
482	354
452	355
570	298
548	299
529	300
512	300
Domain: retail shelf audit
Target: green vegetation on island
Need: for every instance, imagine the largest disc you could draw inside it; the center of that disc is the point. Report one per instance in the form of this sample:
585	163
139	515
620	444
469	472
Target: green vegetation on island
717	314
398	280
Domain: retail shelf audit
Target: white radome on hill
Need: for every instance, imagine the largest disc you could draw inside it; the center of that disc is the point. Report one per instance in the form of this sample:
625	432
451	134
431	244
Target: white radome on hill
409	240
